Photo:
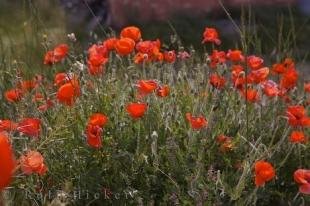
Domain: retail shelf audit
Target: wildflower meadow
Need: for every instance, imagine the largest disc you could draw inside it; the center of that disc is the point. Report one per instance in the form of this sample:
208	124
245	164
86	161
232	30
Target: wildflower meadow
135	121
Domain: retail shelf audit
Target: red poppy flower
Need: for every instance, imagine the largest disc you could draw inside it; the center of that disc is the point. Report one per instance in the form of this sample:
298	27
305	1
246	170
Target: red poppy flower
196	122
211	35
124	46
270	88
94	136
259	75
255	62
7	125
298	137
33	162
110	43
98	119
57	54
131	32
289	79
297	116
62	78
238	76
222	138
7	161
97	60
307	87
225	142
217	81
302	178
250	95
264	172
235	55
146	86
170	56
27	85
148	51
30	127
140	58
97	57
68	93
163	91
95	70
13	95
148	47
278	68
98	49
217	57
227	146
136	110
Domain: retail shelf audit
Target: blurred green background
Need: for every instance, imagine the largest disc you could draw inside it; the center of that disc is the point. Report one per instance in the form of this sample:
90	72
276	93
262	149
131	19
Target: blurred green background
274	32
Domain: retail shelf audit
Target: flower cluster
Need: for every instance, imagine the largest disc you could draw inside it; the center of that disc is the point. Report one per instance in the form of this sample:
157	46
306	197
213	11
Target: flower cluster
189	117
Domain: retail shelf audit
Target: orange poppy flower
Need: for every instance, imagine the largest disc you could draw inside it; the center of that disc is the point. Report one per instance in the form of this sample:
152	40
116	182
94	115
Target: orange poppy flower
288	63
255	62
250	95
30	127
163	91
211	35
227	146
217	57
136	110
57	54
95	70
217	81
259	75
278	68
98	119
62	78
131	32
13	95
98	49
146	86
225	142
140	58
94	135
27	85
298	137
307	87
270	88
110	43
68	93
97	57
302	177
238	76
222	138
148	47
7	125
196	122
97	60
289	79
7	161
32	162
235	55
124	46
264	172
170	56
297	116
